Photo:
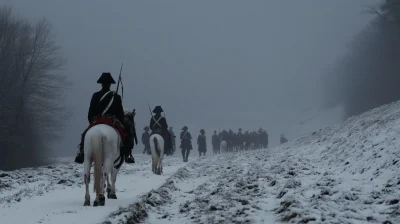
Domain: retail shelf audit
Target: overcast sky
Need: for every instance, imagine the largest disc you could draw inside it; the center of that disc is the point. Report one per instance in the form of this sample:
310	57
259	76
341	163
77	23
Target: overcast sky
209	64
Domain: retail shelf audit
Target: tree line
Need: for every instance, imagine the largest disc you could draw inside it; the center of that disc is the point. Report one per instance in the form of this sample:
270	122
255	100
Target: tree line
32	113
367	76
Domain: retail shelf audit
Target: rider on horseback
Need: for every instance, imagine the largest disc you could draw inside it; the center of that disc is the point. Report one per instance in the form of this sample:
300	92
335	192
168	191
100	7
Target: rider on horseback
158	125
105	107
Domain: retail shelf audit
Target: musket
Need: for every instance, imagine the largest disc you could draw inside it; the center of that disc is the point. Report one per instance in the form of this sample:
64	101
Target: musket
134	126
151	114
120	81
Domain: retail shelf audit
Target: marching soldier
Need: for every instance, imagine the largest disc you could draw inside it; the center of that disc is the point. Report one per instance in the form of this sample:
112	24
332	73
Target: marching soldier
146	140
201	142
215	143
173	137
186	143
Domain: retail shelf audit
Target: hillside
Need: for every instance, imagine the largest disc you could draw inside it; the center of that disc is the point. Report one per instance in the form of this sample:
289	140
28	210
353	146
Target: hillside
348	173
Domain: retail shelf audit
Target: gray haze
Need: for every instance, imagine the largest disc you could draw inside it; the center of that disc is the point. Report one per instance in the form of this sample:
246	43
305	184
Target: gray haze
209	64
368	75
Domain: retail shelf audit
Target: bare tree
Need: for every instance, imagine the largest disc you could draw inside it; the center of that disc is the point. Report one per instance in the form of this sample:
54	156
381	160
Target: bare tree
31	90
368	74
388	11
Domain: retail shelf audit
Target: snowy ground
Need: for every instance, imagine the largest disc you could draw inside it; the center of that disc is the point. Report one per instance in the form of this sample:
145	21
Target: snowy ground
348	173
55	194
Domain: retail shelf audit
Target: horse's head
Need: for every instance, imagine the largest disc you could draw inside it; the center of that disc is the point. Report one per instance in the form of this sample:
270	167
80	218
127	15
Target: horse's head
129	114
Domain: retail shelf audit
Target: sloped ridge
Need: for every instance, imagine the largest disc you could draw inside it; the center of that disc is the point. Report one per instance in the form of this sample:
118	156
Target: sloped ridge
355	163
347	173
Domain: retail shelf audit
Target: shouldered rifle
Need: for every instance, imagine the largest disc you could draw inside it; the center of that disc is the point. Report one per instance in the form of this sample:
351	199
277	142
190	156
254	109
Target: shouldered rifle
151	114
134	126
120	81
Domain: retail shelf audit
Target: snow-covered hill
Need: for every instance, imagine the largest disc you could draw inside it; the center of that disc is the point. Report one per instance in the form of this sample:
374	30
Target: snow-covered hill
348	173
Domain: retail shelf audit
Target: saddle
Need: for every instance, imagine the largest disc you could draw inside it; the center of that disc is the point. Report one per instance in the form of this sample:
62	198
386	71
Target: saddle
111	121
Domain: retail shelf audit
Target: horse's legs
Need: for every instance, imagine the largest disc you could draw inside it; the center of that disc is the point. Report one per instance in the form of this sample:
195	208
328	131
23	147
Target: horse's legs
153	164
161	163
161	167
87	166
108	184
112	194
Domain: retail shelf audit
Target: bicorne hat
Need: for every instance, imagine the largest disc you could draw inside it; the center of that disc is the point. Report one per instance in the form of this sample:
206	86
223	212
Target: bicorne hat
106	78
158	109
185	128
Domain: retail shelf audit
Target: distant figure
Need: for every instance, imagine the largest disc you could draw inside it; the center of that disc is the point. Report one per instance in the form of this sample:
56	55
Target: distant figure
239	140
224	146
186	143
173	137
215	143
158	124
146	140
283	139
201	142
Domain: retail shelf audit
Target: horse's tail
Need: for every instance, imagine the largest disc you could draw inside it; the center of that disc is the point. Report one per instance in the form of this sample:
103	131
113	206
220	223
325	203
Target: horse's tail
156	146
97	144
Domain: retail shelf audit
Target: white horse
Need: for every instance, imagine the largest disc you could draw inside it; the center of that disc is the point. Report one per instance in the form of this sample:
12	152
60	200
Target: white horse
101	146
157	153
223	146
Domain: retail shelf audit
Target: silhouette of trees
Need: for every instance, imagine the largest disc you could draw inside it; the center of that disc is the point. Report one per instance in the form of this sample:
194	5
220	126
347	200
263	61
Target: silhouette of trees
368	75
31	90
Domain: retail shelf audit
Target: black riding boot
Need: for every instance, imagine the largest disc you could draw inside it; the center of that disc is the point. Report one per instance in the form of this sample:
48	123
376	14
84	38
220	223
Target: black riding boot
128	156
80	156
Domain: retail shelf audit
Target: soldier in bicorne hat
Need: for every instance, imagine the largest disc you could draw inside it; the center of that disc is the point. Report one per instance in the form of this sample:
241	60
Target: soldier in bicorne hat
202	143
158	124
104	103
186	143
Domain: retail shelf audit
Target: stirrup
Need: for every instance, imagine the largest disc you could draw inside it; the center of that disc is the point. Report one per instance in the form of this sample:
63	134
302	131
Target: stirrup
129	159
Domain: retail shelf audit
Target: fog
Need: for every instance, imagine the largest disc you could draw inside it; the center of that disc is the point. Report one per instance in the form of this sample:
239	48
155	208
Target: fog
210	64
368	75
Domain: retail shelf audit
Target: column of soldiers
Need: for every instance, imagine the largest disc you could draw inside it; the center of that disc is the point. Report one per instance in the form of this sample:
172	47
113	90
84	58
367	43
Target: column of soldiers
240	141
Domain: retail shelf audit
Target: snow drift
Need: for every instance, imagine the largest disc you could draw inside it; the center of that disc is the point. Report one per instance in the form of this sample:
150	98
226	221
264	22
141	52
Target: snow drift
348	173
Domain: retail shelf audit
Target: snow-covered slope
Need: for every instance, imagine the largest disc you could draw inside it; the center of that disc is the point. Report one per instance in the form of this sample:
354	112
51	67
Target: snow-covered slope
348	173
55	194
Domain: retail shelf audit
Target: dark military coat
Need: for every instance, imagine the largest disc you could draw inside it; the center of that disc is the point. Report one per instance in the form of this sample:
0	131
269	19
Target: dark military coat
201	142
97	107
186	140
159	126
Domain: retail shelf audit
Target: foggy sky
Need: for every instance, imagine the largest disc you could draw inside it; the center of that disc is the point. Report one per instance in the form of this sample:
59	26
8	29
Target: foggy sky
209	64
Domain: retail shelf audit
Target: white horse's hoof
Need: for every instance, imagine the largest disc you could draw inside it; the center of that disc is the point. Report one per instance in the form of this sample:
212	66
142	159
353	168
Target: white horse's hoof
111	196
